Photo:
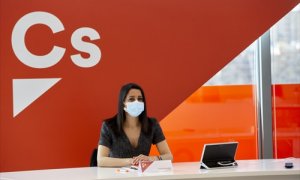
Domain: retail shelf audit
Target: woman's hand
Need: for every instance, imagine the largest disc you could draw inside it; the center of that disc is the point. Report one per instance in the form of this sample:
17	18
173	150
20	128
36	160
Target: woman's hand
142	157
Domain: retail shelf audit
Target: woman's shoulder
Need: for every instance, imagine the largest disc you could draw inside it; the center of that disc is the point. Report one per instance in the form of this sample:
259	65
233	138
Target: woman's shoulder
152	122
110	121
110	126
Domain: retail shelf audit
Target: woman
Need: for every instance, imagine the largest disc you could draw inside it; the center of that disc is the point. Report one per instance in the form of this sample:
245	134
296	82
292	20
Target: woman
127	137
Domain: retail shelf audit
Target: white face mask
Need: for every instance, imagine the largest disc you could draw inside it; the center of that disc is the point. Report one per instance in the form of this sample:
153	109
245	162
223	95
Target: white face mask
134	109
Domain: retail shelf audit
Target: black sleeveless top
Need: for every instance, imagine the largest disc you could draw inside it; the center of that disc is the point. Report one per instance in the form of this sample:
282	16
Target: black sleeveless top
120	146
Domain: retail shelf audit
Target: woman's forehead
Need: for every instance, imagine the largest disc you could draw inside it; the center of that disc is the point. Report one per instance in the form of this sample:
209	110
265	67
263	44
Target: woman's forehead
134	92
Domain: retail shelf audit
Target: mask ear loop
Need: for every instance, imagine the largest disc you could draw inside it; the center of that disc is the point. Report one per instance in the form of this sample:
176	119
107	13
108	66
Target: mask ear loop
124	106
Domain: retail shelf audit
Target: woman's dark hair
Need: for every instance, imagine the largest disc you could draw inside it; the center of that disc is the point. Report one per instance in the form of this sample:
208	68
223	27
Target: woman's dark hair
120	117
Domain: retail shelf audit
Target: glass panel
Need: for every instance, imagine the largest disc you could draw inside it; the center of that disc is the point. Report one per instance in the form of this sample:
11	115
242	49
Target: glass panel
222	110
285	40
239	71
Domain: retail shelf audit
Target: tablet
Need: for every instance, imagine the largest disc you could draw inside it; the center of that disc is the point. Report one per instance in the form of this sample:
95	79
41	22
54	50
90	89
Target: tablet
218	155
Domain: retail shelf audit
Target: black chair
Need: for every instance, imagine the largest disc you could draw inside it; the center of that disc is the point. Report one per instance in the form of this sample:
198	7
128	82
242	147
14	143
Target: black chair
93	160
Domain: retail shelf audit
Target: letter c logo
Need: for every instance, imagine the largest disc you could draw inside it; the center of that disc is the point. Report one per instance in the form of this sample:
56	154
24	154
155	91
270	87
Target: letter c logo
18	40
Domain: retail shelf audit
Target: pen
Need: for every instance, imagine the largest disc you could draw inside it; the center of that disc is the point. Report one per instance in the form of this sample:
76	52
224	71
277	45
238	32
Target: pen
134	167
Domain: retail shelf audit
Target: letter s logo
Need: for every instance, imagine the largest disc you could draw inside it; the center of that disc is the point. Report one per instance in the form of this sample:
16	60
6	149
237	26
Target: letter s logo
92	49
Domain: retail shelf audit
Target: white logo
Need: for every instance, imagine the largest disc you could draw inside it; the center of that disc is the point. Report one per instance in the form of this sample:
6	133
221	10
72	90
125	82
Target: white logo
26	91
56	54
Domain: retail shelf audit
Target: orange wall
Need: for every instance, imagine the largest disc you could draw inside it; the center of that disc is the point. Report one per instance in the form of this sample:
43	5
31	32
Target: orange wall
228	113
213	114
169	47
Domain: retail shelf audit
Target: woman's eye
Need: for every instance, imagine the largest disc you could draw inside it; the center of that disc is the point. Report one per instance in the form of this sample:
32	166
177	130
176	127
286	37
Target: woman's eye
131	99
140	99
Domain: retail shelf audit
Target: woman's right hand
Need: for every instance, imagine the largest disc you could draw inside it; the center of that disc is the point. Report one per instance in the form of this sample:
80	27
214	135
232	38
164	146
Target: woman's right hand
141	157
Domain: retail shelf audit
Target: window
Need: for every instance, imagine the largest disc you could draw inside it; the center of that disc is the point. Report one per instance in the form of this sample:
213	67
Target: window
285	53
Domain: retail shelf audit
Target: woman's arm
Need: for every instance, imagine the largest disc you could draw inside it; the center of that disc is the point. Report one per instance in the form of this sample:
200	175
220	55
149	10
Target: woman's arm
104	160
164	150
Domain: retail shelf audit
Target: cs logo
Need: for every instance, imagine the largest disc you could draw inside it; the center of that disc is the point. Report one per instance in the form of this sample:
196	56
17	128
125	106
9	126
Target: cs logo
23	92
56	54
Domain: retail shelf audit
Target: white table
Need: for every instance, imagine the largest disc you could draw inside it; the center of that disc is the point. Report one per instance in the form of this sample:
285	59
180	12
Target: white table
270	169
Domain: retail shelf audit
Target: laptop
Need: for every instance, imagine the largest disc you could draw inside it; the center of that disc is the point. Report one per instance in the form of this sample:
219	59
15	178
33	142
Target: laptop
218	155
